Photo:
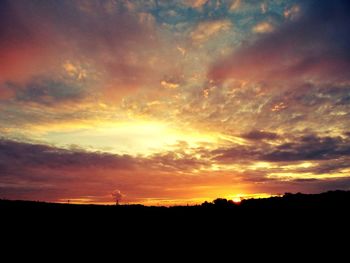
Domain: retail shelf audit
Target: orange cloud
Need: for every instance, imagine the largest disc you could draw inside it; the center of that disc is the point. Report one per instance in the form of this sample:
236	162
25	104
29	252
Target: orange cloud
195	3
206	30
263	27
235	5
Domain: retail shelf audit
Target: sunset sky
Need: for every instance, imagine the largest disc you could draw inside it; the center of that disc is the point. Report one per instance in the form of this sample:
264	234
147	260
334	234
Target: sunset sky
173	102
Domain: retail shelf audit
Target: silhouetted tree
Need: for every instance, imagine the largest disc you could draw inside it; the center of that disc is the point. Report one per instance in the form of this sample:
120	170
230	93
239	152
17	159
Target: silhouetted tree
222	202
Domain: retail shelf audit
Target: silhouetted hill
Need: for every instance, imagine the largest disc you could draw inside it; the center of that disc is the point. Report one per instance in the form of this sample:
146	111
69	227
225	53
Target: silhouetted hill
289	216
294	203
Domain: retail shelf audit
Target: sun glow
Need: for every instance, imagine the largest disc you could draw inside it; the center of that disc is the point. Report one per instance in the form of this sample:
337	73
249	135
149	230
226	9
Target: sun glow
130	137
237	200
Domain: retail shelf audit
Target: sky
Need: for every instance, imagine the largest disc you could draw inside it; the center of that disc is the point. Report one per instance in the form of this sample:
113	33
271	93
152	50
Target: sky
173	102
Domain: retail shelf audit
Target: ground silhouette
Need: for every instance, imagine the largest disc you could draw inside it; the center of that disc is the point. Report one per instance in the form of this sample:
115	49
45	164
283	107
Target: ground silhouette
336	201
288	216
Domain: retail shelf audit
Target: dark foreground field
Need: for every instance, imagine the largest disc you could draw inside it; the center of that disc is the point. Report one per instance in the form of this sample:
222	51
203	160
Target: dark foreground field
305	218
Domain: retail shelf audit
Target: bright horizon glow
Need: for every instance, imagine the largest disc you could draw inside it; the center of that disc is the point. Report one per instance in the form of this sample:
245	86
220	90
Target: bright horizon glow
167	202
237	200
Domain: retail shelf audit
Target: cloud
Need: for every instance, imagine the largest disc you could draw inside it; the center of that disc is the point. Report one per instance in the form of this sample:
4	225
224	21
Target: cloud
260	135
169	85
292	13
314	46
289	149
37	171
47	92
178	161
309	147
235	5
206	30
6	92
263	27
31	155
38	37
195	3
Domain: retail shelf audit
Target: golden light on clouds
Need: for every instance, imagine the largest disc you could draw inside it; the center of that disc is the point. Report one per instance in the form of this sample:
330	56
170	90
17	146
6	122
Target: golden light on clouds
169	85
235	5
196	3
289	176
279	107
137	137
263	27
206	30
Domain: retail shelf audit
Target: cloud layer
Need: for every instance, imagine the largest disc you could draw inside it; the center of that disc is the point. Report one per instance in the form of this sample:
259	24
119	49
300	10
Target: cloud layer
48	173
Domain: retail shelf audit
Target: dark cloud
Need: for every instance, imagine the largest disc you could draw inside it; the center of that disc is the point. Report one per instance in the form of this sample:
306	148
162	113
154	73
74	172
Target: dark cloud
291	149
236	154
309	147
48	92
178	160
31	155
37	171
260	135
330	166
319	94
18	154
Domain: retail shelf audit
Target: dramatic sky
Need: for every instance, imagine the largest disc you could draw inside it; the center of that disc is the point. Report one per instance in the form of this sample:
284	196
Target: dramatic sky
173	102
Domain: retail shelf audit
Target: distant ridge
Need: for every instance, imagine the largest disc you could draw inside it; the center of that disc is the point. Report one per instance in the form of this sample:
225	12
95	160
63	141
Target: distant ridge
327	200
